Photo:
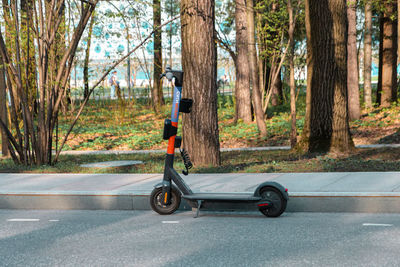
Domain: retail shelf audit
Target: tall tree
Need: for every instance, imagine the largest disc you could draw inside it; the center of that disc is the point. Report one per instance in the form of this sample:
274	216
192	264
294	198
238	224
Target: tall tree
199	63
156	93
352	62
387	85
253	67
242	85
368	54
326	124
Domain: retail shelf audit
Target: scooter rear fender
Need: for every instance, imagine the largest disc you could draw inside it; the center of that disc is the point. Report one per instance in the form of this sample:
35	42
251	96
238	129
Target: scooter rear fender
272	184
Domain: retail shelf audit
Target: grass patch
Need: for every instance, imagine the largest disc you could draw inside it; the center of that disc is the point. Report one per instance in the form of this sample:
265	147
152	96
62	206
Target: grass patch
366	160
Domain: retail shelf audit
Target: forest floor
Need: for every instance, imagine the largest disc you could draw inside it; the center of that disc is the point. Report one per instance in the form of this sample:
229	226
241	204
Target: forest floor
108	125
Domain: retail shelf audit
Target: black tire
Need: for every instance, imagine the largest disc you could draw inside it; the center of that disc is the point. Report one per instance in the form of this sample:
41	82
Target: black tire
278	201
156	201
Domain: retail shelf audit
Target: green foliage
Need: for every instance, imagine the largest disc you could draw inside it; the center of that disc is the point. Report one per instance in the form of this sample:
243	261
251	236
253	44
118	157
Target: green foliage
273	25
273	21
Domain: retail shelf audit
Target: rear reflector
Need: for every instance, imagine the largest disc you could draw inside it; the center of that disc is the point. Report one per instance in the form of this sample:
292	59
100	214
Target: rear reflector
263	205
286	190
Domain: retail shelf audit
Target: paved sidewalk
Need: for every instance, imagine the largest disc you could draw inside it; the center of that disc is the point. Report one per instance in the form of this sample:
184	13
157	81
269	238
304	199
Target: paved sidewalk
316	192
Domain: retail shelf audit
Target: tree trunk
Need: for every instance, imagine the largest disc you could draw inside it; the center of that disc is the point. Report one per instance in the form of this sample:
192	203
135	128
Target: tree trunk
11	46
379	88
256	94
292	82
157	95
276	87
87	56
326	124
368	54
3	110
242	85
199	63
387	88
352	62
28	50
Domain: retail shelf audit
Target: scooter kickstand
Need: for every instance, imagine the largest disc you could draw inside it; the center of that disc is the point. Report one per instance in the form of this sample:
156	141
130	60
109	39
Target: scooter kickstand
199	202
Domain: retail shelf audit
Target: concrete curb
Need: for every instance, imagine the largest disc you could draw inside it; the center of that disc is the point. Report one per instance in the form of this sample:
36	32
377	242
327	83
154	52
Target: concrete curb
377	202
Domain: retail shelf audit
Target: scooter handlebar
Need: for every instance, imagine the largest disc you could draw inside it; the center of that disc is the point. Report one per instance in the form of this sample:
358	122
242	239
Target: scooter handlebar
171	74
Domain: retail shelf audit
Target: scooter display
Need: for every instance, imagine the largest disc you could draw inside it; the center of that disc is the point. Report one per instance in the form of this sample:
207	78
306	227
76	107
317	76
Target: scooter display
269	197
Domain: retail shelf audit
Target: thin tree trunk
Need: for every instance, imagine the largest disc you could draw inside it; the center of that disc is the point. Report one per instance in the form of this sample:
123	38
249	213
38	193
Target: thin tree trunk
276	85
157	96
87	56
242	85
28	51
368	54
380	64
3	110
352	62
199	63
256	93
326	124
388	58
11	49
292	82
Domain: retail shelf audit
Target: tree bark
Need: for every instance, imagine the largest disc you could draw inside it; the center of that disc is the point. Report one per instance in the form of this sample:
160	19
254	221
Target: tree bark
352	62
199	63
292	82
157	95
368	54
326	124
256	93
387	87
242	85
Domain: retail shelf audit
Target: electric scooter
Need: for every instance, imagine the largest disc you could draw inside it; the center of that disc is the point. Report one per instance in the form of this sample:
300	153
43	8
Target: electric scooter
269	197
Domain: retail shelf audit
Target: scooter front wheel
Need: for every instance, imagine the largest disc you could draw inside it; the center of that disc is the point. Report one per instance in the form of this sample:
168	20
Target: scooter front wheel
275	197
157	205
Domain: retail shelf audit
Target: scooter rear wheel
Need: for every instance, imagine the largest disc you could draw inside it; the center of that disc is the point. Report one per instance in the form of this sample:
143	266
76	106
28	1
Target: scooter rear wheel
157	205
274	196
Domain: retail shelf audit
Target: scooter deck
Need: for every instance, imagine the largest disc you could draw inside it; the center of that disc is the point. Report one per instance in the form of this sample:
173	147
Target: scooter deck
239	197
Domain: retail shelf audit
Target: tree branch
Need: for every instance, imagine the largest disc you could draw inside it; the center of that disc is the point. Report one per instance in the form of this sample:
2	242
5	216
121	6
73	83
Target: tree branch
225	46
101	79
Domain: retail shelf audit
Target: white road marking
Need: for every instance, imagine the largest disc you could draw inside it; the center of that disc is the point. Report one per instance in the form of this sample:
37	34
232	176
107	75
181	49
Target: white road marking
23	220
377	224
170	221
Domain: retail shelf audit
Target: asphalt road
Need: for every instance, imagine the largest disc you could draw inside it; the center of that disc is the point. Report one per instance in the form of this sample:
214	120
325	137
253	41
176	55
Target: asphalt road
143	238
